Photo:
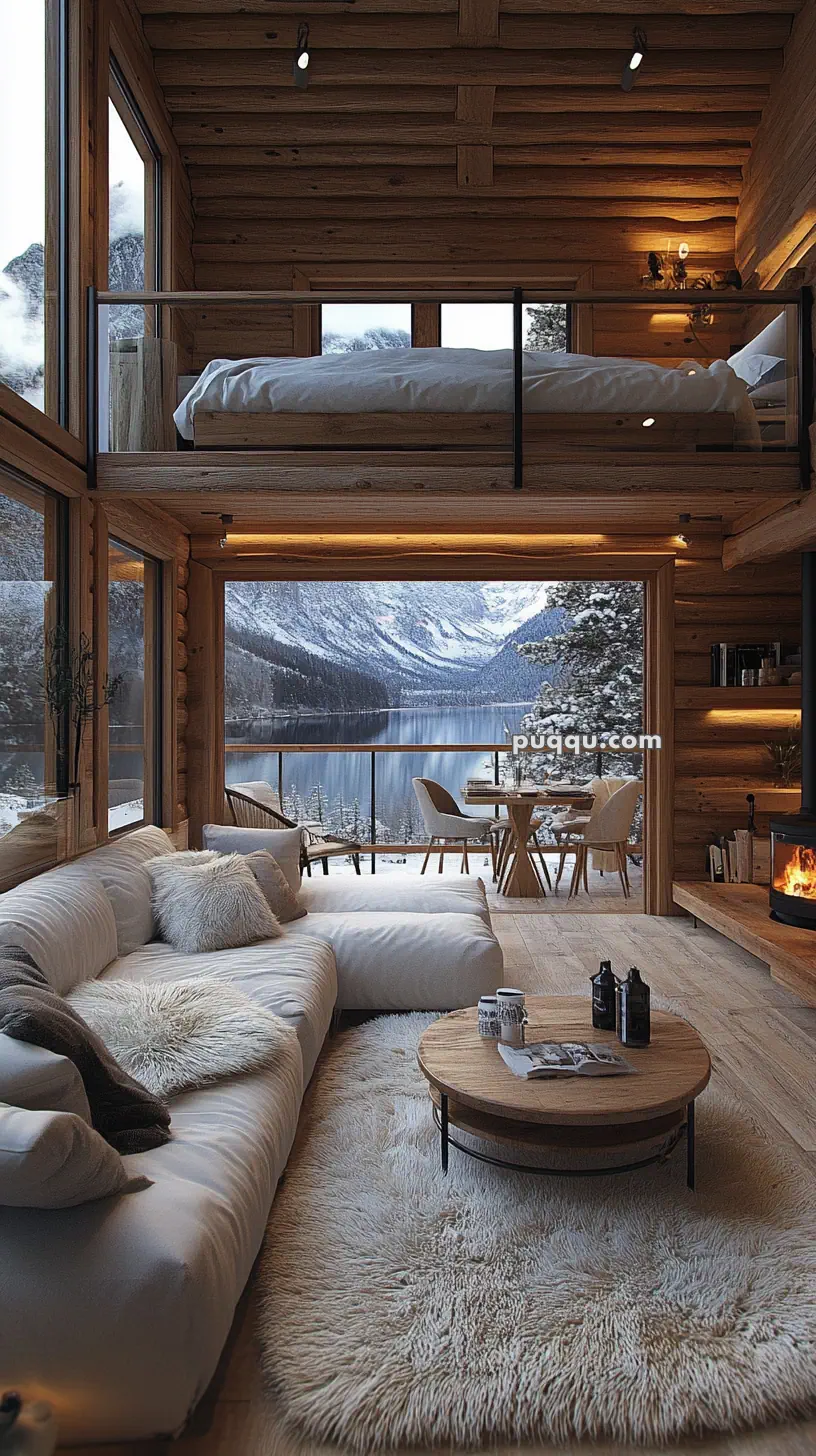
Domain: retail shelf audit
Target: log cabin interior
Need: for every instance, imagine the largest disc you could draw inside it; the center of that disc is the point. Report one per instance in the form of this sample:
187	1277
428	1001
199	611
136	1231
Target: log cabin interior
629	195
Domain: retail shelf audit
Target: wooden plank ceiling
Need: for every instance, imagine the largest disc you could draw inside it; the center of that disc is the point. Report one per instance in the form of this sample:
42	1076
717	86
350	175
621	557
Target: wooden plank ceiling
481	109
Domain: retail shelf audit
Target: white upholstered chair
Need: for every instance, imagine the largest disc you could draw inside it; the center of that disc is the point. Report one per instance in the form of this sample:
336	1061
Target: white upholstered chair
607	829
445	821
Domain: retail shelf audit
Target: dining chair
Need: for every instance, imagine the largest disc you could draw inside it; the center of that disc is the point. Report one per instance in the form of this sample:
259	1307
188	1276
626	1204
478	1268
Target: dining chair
607	829
444	820
256	805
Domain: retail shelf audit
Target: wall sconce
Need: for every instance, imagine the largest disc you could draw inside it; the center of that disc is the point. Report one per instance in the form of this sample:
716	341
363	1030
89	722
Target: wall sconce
302	58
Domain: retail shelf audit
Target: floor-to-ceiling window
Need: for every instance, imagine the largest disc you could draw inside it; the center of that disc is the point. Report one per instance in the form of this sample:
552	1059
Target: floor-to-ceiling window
33	766
134	686
32	202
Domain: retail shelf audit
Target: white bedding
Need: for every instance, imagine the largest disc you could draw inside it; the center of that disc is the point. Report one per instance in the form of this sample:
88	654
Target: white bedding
463	381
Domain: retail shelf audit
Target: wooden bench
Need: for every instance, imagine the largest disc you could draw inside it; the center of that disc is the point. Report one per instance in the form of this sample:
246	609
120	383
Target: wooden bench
740	912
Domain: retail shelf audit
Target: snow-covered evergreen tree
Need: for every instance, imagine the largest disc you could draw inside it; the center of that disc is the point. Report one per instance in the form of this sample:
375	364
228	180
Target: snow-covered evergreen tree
597	685
546	327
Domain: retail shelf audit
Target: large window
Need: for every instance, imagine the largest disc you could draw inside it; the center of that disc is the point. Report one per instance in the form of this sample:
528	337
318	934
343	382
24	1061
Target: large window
490	326
134	214
347	327
32	764
32	222
134	682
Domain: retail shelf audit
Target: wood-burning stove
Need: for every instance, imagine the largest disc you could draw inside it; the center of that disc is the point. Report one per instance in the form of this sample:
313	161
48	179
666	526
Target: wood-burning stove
793	836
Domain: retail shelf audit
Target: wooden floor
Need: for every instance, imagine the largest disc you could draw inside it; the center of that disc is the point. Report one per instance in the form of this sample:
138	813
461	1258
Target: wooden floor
763	1045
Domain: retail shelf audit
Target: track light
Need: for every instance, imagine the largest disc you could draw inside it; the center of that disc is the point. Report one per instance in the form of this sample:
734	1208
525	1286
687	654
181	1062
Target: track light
632	68
302	58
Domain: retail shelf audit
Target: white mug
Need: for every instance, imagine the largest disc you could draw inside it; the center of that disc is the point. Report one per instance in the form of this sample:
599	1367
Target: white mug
488	1017
512	1015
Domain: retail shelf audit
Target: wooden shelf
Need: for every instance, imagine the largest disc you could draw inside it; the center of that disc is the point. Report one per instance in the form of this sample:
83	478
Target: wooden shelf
741	913
700	697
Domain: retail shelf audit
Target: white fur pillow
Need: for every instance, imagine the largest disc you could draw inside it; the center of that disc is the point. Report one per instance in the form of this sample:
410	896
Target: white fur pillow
276	890
205	901
172	1035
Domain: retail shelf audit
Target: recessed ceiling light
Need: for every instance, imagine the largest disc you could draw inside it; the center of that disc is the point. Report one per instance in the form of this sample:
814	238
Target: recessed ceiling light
648	422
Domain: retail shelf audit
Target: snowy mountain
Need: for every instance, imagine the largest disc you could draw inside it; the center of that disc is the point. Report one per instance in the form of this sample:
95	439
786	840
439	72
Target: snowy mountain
428	638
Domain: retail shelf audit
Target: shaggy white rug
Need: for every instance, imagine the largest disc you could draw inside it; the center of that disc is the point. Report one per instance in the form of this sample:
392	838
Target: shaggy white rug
403	1308
181	1034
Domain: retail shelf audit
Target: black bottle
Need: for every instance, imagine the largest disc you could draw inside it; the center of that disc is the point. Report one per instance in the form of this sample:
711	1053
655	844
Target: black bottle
633	1010
604	988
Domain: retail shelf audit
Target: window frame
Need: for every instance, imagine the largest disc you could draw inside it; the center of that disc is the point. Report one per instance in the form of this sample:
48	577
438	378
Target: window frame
426	325
53	425
131	115
153	711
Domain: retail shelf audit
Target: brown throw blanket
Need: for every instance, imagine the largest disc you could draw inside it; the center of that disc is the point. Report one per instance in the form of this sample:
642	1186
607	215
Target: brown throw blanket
129	1117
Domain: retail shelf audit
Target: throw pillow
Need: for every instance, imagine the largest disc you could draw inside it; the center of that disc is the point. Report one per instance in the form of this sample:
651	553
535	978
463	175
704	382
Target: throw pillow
285	845
205	901
274	886
55	1160
174	1035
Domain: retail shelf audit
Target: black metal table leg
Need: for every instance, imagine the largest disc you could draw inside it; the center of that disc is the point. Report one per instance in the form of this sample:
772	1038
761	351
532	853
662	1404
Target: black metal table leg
690	1145
443	1125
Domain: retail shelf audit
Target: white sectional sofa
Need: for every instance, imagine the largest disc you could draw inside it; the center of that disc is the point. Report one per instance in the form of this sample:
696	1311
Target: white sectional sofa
117	1311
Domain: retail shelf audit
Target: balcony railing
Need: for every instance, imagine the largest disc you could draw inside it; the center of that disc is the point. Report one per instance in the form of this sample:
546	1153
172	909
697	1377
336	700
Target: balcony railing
592	763
135	382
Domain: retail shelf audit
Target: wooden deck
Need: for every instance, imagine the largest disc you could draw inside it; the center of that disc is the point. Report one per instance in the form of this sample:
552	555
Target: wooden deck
740	912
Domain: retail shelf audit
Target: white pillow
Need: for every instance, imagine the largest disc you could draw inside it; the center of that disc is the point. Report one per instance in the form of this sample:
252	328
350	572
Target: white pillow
205	901
55	1160
771	341
33	1077
283	844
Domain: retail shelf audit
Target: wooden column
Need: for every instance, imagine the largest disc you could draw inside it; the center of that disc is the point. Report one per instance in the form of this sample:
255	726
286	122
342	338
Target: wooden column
658	717
205	715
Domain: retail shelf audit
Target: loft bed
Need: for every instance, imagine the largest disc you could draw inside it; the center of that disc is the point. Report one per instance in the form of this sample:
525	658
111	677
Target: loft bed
505	418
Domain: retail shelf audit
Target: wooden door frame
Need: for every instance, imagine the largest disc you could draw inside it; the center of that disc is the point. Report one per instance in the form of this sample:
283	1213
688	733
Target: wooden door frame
655	569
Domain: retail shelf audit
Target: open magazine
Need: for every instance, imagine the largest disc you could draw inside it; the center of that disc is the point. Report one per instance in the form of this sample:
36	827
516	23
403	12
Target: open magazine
564	1059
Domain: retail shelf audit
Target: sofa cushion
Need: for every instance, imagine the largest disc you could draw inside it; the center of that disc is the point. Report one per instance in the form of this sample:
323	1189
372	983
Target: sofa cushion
344	893
33	1077
209	902
55	1160
274	886
296	979
405	961
65	921
120	866
283	844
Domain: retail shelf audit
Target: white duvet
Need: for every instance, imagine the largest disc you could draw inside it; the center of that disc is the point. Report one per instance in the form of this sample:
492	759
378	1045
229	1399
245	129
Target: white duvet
464	381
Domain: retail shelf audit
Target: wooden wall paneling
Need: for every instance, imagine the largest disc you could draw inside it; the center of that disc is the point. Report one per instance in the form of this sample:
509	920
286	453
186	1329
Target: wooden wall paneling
305	322
205	723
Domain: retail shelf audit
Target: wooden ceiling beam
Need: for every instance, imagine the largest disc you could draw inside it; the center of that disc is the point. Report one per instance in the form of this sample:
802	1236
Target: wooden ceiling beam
472	125
731	8
791	529
265	100
239	209
477	24
352	181
465	67
649	154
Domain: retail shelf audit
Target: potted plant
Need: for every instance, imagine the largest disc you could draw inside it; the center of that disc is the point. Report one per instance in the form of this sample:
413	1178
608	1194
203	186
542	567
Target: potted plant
786	754
70	692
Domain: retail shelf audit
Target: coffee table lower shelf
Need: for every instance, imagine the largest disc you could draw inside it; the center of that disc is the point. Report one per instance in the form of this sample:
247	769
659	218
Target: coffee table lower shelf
673	1126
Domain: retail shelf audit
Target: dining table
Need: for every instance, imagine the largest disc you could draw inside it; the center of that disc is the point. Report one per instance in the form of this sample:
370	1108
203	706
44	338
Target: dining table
520	878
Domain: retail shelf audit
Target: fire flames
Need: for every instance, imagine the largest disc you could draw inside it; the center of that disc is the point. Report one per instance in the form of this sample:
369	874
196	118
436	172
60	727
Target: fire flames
798	876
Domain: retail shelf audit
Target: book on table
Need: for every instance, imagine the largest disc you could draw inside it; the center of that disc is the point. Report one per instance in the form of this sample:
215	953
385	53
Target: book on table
564	1059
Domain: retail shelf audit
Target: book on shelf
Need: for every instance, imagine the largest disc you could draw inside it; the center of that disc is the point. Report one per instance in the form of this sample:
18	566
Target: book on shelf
730	659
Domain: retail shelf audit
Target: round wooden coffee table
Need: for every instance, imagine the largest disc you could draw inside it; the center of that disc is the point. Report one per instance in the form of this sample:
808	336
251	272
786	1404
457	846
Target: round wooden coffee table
474	1090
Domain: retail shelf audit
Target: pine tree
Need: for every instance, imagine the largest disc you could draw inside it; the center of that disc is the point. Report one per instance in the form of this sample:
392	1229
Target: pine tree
597	685
546	327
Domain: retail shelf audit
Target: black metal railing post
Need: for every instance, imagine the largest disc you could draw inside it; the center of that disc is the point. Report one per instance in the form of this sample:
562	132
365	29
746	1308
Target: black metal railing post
373	811
518	385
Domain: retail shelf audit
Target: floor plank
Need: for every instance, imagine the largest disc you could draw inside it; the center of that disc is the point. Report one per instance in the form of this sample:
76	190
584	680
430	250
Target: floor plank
763	1045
